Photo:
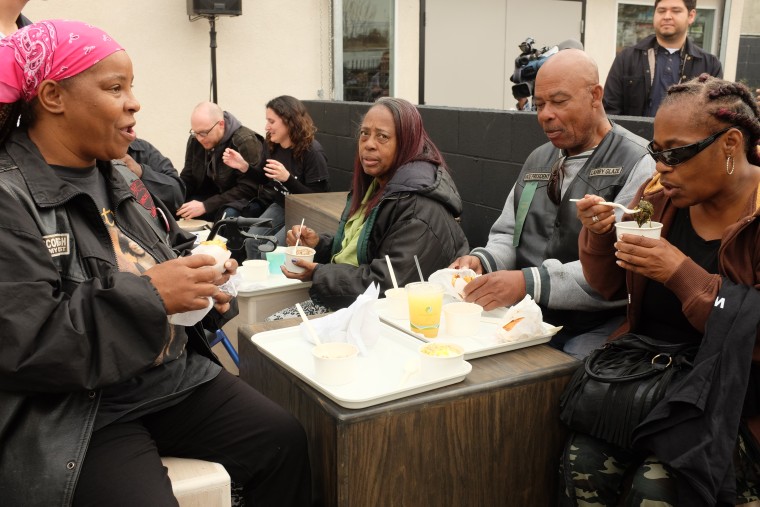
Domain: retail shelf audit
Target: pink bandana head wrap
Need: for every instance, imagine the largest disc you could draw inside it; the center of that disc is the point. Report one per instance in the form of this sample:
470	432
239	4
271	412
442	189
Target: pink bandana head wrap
54	49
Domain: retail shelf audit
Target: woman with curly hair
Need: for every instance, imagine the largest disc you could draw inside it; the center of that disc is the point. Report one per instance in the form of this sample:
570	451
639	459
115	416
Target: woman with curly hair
680	288
295	164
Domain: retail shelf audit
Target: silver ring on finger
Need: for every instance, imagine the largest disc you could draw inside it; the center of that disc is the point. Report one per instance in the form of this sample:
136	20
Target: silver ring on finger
595	219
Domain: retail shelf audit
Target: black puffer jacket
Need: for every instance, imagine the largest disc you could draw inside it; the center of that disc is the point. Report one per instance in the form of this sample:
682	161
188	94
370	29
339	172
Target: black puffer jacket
416	216
71	323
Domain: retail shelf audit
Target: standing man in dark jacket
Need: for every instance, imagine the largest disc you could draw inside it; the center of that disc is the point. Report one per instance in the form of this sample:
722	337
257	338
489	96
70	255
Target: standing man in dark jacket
211	186
641	74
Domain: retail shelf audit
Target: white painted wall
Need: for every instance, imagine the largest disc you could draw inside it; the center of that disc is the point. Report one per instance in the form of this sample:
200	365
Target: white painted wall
274	48
751	18
407	49
471	46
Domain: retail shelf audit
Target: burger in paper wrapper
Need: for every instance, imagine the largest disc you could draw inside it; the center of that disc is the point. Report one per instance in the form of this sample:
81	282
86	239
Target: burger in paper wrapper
215	248
453	281
522	321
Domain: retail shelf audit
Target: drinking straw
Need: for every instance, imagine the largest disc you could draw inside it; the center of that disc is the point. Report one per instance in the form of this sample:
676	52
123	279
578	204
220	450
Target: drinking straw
390	269
417	262
312	331
298	238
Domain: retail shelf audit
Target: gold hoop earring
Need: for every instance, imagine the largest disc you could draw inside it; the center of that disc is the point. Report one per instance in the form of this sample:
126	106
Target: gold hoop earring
733	165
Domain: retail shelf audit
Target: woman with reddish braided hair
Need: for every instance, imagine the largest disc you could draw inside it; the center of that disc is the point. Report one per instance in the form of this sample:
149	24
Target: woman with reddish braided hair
697	284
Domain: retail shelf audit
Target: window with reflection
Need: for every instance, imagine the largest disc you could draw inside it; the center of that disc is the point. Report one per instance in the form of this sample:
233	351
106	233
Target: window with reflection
367	51
634	22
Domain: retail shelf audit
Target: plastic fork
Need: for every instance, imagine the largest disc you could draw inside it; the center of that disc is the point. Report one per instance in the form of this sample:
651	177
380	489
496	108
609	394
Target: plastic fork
616	205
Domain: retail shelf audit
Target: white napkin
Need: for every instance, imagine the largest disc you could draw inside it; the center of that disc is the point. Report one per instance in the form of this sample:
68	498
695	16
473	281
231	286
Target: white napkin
358	324
192	317
230	287
452	280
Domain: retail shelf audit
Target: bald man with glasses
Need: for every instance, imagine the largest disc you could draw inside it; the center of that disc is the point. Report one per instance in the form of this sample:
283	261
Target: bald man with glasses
212	187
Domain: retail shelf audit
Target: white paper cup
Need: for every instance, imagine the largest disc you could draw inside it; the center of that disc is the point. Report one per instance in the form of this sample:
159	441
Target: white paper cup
397	304
304	253
631	227
335	363
255	270
440	359
461	319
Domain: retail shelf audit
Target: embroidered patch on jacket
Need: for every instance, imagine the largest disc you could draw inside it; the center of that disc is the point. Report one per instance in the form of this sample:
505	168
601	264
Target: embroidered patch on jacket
605	171
536	177
57	244
143	196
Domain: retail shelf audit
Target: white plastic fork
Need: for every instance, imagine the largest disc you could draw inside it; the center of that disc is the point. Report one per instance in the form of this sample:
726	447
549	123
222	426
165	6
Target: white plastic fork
616	205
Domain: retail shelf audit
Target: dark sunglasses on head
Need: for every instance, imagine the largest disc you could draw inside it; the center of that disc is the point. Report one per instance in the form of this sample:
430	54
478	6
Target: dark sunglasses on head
676	156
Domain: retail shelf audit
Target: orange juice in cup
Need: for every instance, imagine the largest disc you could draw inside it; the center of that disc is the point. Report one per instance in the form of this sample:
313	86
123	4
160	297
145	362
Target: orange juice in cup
425	301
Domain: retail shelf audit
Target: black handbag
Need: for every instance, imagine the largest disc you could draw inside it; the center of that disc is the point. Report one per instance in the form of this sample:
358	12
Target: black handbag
620	383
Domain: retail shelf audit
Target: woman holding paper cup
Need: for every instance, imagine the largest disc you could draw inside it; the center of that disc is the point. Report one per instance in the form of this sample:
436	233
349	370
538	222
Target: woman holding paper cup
96	381
705	193
403	202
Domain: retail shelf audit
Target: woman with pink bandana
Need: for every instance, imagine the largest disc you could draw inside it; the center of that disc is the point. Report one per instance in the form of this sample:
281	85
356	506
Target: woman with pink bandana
95	381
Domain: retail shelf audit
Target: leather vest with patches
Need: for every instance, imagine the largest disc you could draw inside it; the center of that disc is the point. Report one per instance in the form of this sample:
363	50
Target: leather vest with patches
551	231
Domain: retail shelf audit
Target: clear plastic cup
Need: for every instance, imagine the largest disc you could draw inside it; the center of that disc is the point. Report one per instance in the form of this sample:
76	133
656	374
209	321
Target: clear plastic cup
425	301
276	259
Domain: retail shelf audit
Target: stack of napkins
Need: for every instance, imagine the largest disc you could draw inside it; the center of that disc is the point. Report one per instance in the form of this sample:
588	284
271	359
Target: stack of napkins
358	324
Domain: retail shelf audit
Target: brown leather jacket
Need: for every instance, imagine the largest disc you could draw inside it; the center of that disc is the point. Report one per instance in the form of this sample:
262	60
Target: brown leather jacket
738	260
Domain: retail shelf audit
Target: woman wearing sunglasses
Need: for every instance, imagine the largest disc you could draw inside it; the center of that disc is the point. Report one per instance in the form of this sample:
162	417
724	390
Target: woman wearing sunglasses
706	193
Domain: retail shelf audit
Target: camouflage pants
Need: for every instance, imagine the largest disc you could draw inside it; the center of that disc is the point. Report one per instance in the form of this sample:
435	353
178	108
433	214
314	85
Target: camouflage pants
593	473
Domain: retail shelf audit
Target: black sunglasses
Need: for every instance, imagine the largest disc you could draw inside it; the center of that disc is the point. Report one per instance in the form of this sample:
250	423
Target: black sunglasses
676	156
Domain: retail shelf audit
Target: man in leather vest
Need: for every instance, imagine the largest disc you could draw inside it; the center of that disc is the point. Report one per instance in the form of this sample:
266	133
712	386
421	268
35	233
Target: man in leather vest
533	246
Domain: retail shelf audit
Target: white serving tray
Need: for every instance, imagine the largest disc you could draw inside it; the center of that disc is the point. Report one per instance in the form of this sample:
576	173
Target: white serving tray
382	374
272	281
481	343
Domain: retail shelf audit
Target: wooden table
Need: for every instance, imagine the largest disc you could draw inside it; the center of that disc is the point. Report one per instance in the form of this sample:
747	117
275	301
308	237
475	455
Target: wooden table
321	211
256	306
492	440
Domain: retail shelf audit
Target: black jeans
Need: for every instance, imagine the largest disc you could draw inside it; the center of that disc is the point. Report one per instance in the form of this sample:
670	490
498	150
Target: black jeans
225	421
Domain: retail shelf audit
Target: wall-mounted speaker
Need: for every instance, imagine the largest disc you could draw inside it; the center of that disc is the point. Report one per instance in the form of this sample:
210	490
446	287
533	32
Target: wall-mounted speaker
214	7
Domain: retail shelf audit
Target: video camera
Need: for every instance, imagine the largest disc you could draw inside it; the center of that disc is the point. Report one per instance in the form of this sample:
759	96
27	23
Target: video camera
526	67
